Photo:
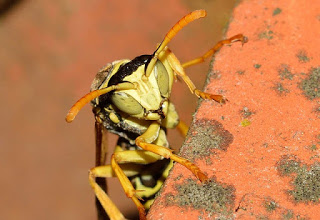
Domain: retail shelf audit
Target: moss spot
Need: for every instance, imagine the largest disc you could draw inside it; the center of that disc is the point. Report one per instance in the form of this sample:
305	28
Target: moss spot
311	85
288	165
288	215
305	181
313	147
280	89
266	35
270	205
307	184
207	135
317	112
257	66
302	56
213	196
246	113
284	72
241	72
276	11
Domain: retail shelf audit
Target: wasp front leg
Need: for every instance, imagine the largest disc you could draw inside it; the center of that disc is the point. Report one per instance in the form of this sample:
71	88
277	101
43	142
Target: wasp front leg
179	70
143	141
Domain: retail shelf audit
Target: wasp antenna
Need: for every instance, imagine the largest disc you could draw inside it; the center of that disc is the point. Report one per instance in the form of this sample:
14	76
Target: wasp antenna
92	95
83	101
172	32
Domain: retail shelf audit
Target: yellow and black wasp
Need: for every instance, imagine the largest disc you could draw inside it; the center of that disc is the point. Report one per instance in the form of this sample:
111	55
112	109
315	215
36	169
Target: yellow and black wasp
131	98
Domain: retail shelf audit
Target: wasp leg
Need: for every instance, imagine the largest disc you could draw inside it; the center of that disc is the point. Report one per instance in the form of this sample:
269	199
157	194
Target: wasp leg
107	204
182	128
216	47
179	70
114	170
142	141
132	156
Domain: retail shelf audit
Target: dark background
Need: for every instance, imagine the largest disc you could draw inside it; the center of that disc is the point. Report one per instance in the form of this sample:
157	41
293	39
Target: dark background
50	53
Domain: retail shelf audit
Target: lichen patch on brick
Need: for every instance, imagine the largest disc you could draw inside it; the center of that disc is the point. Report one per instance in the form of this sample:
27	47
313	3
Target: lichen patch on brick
254	206
305	179
311	85
280	89
302	56
284	72
207	136
270	205
246	112
213	197
276	11
268	34
257	66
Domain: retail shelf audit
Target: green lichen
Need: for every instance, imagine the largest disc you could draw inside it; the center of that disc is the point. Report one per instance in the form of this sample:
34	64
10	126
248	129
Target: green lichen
311	85
276	11
257	66
305	179
288	165
270	205
207	136
280	89
302	56
284	72
313	147
307	184
246	113
213	197
266	35
288	215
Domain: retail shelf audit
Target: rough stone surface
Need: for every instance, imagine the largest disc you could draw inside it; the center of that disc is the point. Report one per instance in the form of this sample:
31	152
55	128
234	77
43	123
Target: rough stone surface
272	84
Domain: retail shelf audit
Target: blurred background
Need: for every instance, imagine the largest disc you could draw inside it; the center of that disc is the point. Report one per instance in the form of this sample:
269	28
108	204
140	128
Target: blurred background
50	52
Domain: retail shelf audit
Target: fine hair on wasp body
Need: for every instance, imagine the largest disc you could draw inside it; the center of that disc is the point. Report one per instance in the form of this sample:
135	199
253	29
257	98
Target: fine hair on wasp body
131	98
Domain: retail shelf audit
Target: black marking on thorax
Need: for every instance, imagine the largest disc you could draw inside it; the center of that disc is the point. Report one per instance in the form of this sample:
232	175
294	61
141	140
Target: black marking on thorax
124	70
128	68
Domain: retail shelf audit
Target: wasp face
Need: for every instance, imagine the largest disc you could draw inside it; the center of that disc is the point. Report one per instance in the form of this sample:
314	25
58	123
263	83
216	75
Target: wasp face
149	99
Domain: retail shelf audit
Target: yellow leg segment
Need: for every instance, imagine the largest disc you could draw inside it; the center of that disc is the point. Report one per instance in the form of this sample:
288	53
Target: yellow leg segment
182	128
179	70
111	209
141	141
127	186
216	47
121	157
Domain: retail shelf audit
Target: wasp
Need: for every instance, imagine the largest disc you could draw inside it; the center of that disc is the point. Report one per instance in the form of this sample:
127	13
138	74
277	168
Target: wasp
131	98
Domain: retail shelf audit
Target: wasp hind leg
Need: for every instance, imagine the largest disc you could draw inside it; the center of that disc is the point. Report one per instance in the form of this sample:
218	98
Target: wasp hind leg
107	204
114	170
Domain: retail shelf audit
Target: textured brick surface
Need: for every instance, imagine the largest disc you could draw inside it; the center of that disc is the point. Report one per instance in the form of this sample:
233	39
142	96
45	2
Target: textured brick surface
50	52
264	143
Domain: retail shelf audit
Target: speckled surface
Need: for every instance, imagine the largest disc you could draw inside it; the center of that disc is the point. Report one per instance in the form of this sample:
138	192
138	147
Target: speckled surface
50	53
273	116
